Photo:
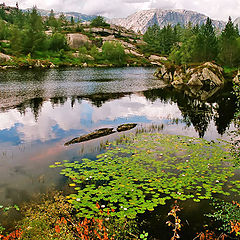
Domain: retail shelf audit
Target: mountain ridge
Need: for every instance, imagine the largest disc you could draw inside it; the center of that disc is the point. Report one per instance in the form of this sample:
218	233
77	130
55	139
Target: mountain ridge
237	22
76	15
141	20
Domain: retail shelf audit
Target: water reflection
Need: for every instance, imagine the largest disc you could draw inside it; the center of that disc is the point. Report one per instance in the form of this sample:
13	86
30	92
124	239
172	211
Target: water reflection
219	108
37	119
39	111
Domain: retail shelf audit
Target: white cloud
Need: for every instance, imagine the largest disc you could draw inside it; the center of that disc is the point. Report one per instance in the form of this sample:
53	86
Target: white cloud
165	4
217	9
137	106
30	130
68	118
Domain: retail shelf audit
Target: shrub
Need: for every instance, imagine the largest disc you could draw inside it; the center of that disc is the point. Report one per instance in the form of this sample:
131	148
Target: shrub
99	22
57	42
114	51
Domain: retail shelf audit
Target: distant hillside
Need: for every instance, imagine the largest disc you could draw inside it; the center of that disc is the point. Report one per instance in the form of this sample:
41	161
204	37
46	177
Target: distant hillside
141	20
77	16
237	22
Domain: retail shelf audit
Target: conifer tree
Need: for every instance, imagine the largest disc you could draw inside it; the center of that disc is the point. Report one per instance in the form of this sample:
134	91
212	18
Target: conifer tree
206	45
229	46
34	36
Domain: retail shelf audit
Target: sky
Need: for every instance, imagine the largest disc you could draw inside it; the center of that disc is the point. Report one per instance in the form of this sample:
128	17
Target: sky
216	9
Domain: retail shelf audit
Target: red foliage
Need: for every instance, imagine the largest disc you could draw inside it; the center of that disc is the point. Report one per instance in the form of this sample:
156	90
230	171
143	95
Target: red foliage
12	236
87	229
209	235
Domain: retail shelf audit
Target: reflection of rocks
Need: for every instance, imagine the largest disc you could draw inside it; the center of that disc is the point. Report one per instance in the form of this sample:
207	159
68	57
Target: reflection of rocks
96	134
126	127
219	105
198	92
207	75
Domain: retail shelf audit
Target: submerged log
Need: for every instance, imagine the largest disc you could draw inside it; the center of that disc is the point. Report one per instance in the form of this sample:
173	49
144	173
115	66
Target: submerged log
93	135
126	127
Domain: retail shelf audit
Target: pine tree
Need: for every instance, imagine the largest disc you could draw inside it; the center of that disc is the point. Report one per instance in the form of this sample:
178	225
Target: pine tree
230	51
16	39
52	21
62	20
34	35
206	45
72	20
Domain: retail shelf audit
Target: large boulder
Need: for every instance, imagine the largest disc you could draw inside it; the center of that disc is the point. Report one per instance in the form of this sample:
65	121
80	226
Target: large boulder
166	72
129	51
162	73
4	57
76	40
207	75
195	80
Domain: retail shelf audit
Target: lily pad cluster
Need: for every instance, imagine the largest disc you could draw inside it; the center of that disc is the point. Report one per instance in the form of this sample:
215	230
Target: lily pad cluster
146	170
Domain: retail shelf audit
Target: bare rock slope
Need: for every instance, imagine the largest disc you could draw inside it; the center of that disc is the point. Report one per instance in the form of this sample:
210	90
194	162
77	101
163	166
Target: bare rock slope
141	20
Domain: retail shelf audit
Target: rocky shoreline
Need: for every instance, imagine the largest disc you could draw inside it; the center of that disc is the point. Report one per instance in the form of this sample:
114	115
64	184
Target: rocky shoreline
207	75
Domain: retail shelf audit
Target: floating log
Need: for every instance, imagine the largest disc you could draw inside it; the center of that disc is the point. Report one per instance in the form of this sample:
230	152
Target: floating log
93	135
126	127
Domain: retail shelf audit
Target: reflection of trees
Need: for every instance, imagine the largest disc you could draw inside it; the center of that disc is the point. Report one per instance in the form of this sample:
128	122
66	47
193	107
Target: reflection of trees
197	113
34	104
100	98
219	107
226	105
58	100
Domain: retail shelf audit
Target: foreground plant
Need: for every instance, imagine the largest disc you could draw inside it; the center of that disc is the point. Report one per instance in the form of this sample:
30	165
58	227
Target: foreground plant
176	224
15	235
209	235
54	218
229	215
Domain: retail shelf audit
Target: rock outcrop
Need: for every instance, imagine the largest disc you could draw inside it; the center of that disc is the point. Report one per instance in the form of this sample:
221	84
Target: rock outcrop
208	75
76	40
155	58
4	57
237	22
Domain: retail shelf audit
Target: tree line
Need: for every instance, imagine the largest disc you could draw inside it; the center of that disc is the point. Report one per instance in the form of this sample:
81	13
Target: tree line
30	34
42	37
191	44
26	31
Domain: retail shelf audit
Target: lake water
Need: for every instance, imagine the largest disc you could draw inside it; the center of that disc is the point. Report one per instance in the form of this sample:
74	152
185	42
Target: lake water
41	110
